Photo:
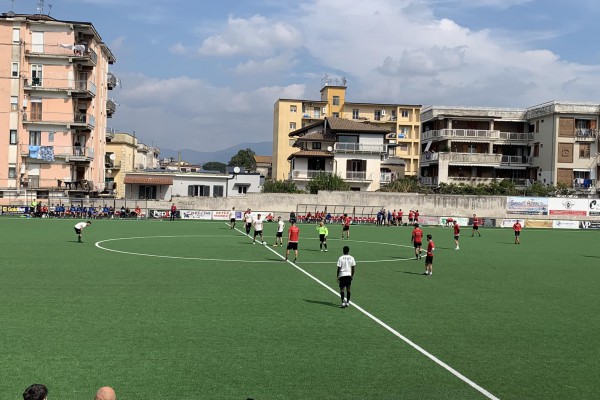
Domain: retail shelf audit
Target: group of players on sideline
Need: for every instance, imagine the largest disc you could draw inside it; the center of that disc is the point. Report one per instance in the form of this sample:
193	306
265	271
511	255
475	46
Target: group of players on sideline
39	210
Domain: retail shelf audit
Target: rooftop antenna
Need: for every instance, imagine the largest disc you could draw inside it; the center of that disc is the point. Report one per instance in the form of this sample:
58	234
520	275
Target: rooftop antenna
49	9
12	7
40	7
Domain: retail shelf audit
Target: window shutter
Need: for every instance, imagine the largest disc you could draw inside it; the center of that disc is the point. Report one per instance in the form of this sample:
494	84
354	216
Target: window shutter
190	191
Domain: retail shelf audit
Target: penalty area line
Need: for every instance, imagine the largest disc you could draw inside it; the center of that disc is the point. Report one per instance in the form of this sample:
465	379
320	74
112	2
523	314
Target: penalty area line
391	330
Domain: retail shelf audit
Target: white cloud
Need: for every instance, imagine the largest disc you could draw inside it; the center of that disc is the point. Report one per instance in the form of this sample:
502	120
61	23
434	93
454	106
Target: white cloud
255	36
281	62
179	49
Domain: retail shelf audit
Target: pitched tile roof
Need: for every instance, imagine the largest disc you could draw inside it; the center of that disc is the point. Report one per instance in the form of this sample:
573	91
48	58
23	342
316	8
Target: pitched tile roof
319	136
342	124
263	159
311	153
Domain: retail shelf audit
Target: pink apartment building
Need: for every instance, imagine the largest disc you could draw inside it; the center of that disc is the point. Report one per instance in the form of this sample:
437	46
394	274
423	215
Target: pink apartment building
54	105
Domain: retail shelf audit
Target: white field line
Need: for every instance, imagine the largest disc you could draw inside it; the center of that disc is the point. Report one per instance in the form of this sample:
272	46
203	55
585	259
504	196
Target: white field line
393	331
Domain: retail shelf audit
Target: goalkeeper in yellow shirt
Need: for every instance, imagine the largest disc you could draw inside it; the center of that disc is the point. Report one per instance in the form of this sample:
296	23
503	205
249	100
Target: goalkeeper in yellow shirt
323	233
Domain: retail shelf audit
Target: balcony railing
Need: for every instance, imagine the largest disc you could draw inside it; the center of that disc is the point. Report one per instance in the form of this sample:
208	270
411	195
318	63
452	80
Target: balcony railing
53	118
305	174
586	135
111	107
387	177
429	180
510	160
59	84
358	176
359	148
475	134
474	158
50	152
111	81
79	51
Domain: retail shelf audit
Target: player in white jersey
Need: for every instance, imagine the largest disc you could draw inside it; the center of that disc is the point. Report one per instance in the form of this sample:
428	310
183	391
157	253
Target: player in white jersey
232	218
248	221
345	273
279	234
258	229
79	229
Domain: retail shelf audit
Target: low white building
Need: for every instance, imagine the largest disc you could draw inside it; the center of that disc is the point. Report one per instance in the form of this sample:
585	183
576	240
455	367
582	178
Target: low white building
164	185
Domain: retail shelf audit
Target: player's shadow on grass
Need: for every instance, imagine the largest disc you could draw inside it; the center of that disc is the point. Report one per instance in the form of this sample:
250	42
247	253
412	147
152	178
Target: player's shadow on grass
323	303
592	256
411	272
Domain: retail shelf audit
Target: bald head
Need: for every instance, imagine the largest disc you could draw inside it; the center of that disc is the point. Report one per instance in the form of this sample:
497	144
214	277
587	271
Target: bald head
105	393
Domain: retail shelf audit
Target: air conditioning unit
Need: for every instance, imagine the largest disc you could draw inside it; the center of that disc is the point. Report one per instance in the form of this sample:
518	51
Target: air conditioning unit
382	112
296	174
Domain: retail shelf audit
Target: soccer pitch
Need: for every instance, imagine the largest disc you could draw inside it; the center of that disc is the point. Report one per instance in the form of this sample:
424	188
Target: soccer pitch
193	310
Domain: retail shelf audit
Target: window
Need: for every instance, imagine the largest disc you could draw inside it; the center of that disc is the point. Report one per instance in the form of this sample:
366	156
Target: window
292	126
377	115
147	192
293	109
16	35
36	110
242	189
355	113
404	113
536	149
316	145
584	150
317	112
35	138
336	115
14	103
12	172
14	70
51	137
13	136
218	191
36	75
336	100
198	190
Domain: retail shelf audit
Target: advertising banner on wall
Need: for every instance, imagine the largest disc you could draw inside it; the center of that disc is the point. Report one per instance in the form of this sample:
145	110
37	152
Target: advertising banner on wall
508	223
593	207
424	220
565	224
589	224
563	206
527	205
489	222
159	214
15	210
224	215
538	223
195	214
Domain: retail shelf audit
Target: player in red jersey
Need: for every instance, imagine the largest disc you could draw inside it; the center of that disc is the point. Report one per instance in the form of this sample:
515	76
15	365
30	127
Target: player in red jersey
400	213
456	234
417	239
475	225
411	217
293	236
346	227
416	215
429	257
517	228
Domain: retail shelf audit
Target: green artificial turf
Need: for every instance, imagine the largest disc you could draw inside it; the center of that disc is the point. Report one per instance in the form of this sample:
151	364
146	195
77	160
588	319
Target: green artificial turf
193	310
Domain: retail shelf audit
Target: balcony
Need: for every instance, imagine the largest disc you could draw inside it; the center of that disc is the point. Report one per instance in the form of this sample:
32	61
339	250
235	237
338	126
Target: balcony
111	81
50	153
358	176
111	107
85	87
76	53
304	174
463	158
429	180
516	160
110	133
359	148
387	177
474	181
79	120
586	135
475	135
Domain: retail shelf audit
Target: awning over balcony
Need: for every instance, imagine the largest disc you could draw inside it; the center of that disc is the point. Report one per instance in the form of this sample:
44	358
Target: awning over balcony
453	164
149	180
511	167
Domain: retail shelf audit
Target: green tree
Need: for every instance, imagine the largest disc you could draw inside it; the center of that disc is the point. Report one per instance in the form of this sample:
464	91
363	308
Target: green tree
325	181
407	184
274	186
214	166
245	159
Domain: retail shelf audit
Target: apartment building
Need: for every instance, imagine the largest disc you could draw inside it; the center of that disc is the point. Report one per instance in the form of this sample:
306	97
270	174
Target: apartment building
555	142
355	151
54	106
401	121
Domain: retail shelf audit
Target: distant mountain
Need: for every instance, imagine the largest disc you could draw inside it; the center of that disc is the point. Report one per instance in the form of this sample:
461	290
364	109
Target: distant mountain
201	157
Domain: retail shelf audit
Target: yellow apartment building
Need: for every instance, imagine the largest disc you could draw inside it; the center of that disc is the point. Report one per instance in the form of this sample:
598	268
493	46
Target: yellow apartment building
401	120
54	105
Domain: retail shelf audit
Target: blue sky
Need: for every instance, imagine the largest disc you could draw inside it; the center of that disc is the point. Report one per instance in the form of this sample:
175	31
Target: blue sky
205	75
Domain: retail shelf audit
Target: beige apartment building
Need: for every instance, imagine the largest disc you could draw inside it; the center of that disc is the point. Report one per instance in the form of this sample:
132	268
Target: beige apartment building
402	121
551	143
124	153
54	105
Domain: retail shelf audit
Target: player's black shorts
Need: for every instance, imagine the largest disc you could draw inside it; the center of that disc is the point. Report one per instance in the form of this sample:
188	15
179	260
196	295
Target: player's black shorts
456	237
279	234
322	237
346	228
256	233
292	246
418	244
232	220
475	227
429	260
78	231
517	233
345	281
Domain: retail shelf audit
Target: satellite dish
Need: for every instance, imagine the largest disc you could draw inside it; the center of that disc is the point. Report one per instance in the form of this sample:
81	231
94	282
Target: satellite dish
236	170
112	156
329	148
